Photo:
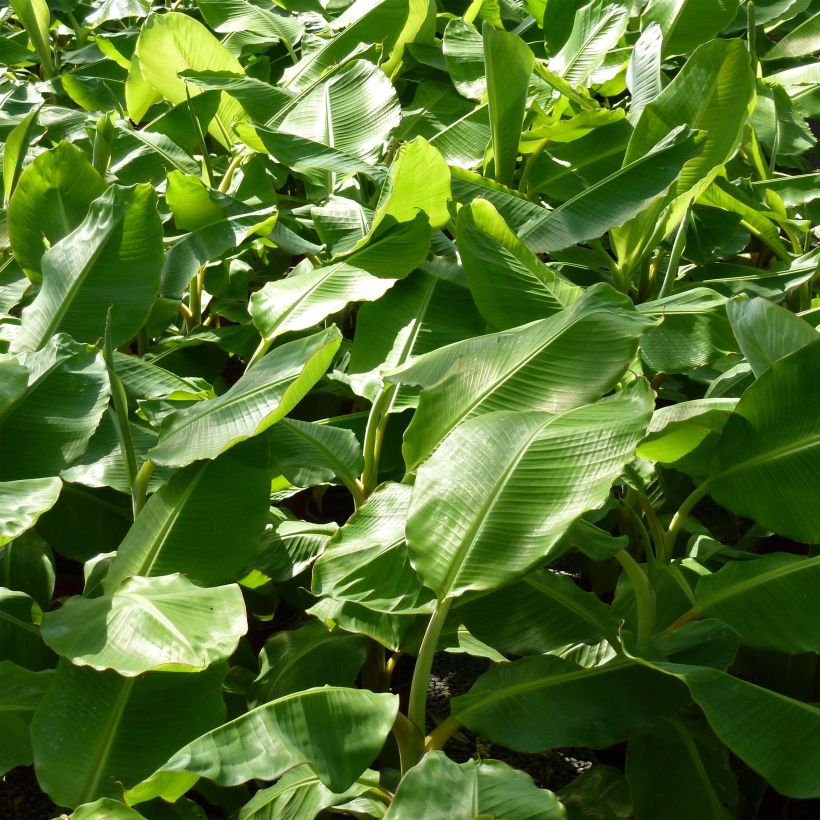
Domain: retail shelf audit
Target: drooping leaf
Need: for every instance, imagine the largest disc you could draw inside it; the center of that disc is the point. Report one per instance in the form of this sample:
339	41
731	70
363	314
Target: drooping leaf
21	691
113	258
686	24
23	502
264	394
305	727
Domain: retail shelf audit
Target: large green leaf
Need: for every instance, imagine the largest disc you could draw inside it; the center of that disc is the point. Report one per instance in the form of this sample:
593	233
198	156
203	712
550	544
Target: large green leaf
302	300
713	93
509	63
596	29
287	548
172	43
305	727
264	394
756	724
205	522
366	561
96	732
679	770
545	612
557	363
439	787
545	702
20	694
767	452
23	502
300	794
768	601
802	41
112	259
299	659
510	284
165	622
51	199
20	640
767	332
616	199
36	19
363	22
482	510
227	16
52	401
688	23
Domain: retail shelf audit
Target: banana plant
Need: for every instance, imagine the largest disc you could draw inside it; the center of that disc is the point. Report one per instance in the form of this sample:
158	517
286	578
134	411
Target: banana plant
408	409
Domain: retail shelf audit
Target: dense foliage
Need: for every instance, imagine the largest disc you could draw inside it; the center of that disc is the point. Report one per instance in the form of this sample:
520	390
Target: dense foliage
338	335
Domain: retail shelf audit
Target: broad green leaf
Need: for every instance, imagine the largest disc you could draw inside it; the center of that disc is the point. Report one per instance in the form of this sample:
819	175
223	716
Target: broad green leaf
463	50
363	22
509	63
801	41
23	502
596	30
113	259
383	627
616	199
51	199
544	612
713	93
680	429
756	724
679	769
765	462
52	402
354	110
204	523
694	331
768	601
767	332
418	314
304	727
14	152
419	181
172	43
510	284
36	19
302	300
419	27
96	733
226	16
487	484
104	809
300	794
515	208
438	786
165	622
643	74
595	706
262	396
292	661
541	366
367	562
307	453
20	640
688	23
28	566
20	694
288	548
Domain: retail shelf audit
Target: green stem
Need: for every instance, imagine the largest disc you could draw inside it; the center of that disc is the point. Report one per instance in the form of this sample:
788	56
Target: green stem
410	742
374	437
139	490
195	298
674	258
655	527
643	535
644	594
7	564
680	516
417	709
441	734
260	351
